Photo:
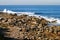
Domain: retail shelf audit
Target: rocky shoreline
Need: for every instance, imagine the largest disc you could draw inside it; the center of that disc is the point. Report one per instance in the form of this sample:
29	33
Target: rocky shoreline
25	27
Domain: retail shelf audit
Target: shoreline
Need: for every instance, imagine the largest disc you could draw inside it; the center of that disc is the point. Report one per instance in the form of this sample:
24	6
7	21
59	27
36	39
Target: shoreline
52	21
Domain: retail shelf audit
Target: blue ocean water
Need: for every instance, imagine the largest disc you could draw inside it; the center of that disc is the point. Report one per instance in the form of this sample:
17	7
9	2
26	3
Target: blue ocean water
45	10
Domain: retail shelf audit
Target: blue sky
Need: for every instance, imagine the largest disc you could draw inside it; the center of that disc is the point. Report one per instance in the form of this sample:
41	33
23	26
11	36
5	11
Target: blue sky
29	2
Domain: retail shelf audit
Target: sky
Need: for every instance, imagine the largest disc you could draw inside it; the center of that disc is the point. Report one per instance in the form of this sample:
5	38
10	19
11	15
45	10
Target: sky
29	2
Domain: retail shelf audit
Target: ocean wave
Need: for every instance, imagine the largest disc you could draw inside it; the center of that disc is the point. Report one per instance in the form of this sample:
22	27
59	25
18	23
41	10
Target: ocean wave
33	14
9	11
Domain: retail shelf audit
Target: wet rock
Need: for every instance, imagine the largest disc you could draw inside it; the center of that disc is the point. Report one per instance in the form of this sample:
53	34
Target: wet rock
54	21
44	22
13	14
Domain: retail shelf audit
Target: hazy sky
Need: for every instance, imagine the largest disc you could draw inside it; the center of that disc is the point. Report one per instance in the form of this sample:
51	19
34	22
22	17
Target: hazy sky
29	2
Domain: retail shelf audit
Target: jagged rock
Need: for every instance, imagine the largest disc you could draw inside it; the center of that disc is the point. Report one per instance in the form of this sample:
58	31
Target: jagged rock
54	21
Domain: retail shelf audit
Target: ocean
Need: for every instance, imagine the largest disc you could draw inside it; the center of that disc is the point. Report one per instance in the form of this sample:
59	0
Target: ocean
50	12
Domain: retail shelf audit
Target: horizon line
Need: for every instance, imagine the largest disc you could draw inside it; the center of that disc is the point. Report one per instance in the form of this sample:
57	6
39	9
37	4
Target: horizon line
46	4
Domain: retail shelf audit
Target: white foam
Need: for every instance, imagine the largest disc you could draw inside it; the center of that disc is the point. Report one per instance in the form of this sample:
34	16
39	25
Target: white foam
33	14
4	10
9	11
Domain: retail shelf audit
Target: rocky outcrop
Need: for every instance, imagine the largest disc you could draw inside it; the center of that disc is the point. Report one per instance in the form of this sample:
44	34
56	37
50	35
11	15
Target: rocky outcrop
24	27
